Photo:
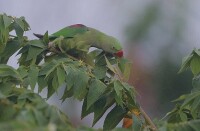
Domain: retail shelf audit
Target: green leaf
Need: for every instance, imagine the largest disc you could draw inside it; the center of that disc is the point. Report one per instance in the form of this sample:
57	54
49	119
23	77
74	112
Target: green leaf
100	72
47	68
183	116
6	88
6	70
173	115
4	34
85	111
11	47
50	91
180	98
33	52
186	63
193	125
41	83
100	60
2	96
22	71
109	65
137	123
190	99
195	107
67	93
33	76
26	25
71	75
20	23
125	67
118	100
88	59
23	49
130	93
19	31
99	109
195	65
7	20
197	51
37	43
114	117
26	115
39	117
61	75
96	89
101	106
50	77
7	112
55	83
118	87
1	23
196	83
46	38
80	86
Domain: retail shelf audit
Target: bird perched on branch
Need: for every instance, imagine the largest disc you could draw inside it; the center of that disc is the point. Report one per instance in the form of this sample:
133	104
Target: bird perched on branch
79	35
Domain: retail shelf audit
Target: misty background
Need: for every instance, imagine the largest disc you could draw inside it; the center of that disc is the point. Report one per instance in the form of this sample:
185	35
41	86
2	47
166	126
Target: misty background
155	34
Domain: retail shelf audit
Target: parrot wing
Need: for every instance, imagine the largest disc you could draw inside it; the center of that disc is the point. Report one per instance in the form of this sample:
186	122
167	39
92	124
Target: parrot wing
67	32
71	31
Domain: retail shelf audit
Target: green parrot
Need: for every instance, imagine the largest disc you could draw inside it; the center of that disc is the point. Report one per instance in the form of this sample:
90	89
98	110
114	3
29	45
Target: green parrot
80	34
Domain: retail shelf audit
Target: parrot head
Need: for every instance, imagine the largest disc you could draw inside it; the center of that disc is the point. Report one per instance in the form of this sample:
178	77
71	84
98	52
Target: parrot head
114	47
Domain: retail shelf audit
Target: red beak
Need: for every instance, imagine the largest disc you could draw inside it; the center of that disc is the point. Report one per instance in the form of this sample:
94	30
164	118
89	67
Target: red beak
119	53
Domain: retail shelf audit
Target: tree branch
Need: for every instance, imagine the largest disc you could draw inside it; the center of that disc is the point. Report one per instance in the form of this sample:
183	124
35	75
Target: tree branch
148	119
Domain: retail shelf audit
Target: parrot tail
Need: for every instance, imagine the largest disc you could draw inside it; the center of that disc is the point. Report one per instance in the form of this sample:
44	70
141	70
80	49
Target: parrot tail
38	35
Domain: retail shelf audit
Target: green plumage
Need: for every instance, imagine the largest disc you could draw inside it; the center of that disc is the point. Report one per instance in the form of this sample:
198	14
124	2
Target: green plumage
80	35
70	31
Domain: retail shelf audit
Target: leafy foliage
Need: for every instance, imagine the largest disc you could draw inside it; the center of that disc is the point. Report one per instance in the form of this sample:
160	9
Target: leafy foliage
192	61
186	115
9	44
22	109
94	77
191	103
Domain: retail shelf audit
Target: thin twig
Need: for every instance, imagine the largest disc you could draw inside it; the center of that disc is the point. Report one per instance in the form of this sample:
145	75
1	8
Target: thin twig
148	119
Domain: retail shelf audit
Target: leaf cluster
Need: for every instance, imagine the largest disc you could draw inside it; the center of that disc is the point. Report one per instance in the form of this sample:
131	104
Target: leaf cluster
22	109
9	44
96	77
186	114
92	79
